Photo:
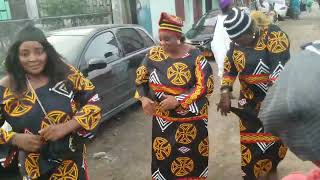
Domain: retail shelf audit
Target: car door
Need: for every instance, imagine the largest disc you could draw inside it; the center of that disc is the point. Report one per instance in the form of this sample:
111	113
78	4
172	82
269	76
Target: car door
135	43
104	47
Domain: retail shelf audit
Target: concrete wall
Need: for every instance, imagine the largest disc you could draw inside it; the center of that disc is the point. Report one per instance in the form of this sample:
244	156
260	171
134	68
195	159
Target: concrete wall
120	12
189	19
18	9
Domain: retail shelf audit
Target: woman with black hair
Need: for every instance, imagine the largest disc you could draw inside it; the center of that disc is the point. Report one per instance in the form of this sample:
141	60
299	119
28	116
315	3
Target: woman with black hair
256	57
50	106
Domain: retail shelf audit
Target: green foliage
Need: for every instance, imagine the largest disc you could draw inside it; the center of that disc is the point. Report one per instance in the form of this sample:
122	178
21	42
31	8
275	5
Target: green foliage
63	7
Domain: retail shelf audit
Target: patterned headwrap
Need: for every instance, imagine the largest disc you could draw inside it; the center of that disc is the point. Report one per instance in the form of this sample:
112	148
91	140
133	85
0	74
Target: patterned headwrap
236	23
170	24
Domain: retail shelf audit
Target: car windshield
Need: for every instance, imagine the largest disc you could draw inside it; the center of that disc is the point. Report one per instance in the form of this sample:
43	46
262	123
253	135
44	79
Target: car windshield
207	21
205	25
67	46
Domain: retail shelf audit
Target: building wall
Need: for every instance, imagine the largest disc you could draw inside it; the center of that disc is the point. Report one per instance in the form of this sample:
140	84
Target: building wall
189	18
215	4
18	9
156	7
5	13
120	16
148	12
144	14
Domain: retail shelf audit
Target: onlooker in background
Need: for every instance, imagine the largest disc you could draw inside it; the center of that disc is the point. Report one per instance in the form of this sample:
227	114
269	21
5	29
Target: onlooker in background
294	9
221	41
256	58
309	5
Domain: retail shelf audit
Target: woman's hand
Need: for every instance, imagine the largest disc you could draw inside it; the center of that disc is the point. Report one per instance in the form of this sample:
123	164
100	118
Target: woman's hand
58	131
27	142
147	105
54	132
169	102
224	104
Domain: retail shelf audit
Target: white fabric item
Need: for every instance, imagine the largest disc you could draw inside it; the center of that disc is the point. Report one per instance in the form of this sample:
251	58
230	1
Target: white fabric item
220	43
32	9
6	126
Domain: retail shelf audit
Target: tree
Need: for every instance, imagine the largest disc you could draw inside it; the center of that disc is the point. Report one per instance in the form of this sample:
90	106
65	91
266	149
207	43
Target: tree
62	7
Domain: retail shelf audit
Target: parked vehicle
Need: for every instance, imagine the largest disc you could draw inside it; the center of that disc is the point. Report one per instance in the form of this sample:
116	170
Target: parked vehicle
201	33
109	56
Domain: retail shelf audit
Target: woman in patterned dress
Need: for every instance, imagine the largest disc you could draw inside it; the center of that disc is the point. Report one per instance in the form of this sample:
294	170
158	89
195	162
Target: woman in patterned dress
50	106
256	58
173	84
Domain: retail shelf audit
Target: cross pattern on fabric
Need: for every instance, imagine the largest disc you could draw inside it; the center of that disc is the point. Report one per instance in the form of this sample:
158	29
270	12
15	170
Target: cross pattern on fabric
158	54
32	166
239	59
18	107
179	74
162	148
278	42
182	166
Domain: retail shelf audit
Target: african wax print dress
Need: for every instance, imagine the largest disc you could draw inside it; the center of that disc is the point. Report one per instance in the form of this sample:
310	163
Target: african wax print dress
74	98
257	68
180	144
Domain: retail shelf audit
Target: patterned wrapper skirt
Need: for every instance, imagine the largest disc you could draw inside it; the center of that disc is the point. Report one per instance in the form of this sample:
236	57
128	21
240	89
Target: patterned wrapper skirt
260	152
180	150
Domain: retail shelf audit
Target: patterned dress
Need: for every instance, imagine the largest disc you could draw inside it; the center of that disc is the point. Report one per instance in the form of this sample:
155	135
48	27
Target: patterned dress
257	68
74	98
180	144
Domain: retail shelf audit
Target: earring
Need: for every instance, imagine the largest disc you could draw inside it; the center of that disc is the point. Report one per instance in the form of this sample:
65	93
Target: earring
254	36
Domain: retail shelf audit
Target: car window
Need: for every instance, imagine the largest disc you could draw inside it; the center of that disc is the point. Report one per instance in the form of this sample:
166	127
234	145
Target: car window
130	40
148	42
104	46
68	46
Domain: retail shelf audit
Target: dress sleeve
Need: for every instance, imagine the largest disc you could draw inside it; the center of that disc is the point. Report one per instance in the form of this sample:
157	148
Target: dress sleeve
203	86
278	46
142	79
88	113
230	71
5	134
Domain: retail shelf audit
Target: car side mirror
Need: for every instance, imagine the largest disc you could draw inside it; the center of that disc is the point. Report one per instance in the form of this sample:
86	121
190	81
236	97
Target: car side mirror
96	63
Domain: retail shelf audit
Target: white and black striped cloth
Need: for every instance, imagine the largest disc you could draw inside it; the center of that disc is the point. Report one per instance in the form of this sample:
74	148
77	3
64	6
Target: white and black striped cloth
237	23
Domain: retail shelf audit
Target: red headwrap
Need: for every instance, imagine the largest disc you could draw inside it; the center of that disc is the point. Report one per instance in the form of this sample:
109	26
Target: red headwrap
170	24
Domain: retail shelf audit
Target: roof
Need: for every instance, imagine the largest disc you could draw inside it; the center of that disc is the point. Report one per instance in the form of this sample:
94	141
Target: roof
85	30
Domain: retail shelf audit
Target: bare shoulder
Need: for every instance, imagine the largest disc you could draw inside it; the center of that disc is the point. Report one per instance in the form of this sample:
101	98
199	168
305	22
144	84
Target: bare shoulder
5	81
